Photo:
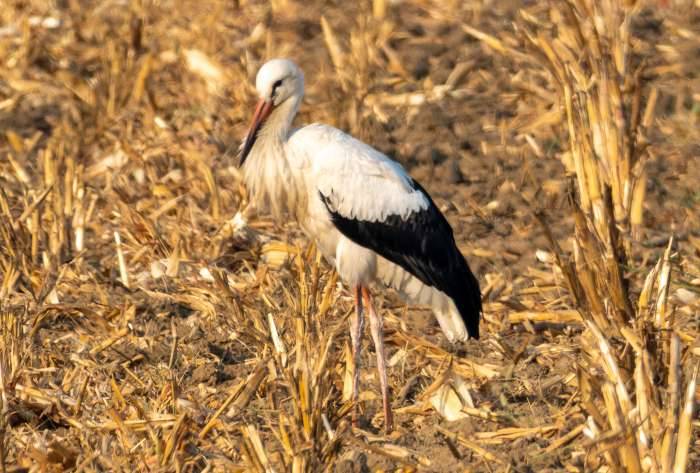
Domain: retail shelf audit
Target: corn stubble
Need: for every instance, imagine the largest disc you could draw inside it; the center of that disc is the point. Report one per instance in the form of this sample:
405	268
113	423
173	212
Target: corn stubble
633	365
144	329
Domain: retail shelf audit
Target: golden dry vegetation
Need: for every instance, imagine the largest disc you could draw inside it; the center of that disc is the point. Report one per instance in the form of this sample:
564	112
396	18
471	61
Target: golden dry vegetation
149	324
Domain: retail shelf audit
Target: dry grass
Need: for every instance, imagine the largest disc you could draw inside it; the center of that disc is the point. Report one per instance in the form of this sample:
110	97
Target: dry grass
148	324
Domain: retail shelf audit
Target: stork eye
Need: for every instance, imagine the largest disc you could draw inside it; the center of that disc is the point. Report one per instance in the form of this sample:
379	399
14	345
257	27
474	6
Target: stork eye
275	86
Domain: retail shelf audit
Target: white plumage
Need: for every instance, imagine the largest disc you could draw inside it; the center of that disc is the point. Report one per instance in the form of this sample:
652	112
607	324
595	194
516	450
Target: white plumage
370	219
360	181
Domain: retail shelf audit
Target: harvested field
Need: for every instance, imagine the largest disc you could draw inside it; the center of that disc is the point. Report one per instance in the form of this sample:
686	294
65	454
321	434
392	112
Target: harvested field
150	323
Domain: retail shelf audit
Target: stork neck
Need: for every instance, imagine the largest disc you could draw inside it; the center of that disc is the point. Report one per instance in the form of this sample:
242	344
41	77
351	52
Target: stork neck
267	173
276	129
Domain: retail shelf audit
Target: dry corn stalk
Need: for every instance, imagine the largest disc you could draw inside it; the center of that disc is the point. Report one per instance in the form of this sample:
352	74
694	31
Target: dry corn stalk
600	85
635	423
306	426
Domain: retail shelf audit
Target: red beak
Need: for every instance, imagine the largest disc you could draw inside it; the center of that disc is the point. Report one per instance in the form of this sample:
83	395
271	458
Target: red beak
262	111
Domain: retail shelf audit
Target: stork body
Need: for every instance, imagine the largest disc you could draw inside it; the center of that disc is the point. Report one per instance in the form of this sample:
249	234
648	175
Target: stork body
368	217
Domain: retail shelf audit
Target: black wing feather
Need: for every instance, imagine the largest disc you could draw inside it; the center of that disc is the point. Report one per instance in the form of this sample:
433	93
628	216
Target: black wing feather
423	244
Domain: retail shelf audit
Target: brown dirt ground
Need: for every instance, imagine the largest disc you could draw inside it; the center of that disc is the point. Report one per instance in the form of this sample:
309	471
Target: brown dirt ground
468	150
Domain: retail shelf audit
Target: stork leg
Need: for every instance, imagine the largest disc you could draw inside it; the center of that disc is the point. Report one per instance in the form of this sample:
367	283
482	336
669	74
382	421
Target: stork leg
357	323
376	325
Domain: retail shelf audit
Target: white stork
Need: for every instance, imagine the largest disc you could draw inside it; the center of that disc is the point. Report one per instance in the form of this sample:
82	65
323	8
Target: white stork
368	217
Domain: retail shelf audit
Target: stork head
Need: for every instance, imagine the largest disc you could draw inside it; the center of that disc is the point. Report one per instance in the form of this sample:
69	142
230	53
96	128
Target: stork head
278	81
